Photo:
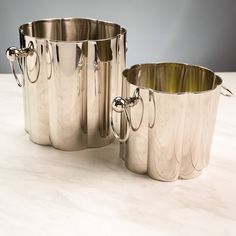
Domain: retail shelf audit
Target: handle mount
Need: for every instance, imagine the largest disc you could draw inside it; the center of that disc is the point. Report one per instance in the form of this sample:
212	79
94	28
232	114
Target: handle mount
226	92
121	105
14	55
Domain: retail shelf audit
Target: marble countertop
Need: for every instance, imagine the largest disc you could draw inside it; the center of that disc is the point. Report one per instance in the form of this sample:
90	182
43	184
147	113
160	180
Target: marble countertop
44	191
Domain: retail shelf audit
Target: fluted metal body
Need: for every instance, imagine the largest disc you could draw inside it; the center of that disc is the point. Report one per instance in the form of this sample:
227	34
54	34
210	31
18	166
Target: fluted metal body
77	65
171	124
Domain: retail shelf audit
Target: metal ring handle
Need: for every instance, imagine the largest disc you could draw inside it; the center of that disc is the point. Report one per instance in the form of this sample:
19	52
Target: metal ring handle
16	76
79	71
119	105
32	51
227	92
131	102
151	97
50	61
138	98
14	54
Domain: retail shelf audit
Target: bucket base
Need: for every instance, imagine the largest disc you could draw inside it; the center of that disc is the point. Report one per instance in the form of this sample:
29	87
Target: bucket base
102	143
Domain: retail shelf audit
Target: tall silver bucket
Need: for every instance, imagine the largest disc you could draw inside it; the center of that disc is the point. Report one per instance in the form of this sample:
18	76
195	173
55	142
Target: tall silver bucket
168	116
71	71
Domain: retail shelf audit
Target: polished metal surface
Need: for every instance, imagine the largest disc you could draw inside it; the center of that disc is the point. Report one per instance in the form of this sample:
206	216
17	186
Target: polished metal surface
15	55
177	119
71	72
121	105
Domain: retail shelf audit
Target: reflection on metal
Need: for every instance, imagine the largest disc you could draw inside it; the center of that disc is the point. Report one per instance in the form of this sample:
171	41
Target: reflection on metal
74	69
14	54
180	104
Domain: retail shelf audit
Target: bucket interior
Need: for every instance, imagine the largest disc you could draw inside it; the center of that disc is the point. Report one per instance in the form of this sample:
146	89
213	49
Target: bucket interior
71	29
172	77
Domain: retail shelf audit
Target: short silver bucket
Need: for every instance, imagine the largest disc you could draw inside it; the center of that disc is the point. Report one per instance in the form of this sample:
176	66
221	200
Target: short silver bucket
71	71
168	115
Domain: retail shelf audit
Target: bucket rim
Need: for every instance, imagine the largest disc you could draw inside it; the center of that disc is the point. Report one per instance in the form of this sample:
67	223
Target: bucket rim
136	66
123	31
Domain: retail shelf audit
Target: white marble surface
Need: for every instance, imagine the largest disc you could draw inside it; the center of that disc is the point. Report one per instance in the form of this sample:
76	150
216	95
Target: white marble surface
44	191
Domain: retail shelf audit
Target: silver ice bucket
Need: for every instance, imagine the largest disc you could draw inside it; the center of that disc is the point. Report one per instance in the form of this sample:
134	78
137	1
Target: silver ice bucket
168	113
71	70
